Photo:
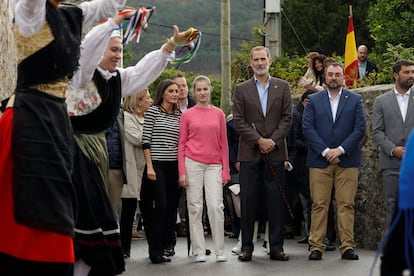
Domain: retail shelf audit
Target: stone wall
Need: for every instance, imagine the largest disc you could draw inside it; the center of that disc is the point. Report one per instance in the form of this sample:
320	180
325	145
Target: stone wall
369	208
369	203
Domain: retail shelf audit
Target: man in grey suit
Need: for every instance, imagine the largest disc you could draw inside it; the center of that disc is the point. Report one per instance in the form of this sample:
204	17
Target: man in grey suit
392	121
262	117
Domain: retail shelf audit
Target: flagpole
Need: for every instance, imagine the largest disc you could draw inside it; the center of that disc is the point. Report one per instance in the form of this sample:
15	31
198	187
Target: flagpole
351	57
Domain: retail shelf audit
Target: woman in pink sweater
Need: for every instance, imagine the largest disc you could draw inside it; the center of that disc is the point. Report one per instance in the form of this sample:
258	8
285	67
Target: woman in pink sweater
203	163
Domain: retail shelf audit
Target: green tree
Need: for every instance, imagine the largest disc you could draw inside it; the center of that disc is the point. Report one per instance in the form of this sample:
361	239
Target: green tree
387	58
203	15
321	25
288	68
391	22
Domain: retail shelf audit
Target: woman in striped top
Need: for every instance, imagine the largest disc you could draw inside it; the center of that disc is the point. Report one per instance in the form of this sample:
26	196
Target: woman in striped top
159	191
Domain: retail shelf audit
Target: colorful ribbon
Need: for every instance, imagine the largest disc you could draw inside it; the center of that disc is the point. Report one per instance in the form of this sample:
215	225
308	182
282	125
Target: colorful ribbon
187	50
137	23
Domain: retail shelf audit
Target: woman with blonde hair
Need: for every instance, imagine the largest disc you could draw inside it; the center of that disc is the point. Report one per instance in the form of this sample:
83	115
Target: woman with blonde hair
134	108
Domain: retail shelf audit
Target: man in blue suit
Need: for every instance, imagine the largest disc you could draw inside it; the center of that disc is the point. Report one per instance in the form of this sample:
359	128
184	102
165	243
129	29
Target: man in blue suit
334	124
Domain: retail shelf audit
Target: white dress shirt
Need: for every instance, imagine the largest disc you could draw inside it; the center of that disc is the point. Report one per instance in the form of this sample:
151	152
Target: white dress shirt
334	103
402	100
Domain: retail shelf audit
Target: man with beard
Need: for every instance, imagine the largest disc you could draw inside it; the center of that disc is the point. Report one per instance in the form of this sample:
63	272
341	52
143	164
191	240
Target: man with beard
262	116
334	124
392	121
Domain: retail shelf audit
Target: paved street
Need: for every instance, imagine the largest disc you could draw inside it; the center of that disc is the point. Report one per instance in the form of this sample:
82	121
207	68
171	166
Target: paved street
331	263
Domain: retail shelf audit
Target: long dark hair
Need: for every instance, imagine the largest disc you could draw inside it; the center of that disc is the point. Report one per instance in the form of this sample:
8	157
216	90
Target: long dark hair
162	86
319	75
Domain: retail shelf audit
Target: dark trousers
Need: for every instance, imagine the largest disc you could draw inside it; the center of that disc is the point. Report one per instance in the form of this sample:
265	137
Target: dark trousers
393	260
257	178
158	204
129	206
17	267
331	229
300	177
171	235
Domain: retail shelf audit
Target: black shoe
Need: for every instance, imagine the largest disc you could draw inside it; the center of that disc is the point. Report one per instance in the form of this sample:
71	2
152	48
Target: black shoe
159	260
304	240
245	256
349	254
169	252
233	236
329	245
315	255
330	248
289	236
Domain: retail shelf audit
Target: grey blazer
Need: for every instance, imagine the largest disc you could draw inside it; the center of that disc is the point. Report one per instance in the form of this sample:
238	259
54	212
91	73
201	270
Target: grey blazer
251	124
388	128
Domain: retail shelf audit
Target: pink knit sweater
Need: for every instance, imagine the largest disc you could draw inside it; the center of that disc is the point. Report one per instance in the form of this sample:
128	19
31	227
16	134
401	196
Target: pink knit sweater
203	138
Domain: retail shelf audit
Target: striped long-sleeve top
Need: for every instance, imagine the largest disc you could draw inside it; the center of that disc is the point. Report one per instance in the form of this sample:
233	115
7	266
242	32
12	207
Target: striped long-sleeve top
161	133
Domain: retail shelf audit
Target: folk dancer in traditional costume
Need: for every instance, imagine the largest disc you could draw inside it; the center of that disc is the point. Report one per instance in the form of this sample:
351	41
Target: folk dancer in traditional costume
37	198
93	108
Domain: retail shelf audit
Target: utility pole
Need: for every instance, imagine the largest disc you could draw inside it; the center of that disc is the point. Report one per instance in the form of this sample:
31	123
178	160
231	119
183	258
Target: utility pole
225	101
273	37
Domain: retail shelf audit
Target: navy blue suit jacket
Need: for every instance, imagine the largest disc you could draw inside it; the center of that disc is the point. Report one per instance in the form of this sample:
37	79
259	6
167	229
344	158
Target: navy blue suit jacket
322	132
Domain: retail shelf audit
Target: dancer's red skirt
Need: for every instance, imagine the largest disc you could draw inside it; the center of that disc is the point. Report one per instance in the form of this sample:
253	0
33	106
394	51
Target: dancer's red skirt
18	240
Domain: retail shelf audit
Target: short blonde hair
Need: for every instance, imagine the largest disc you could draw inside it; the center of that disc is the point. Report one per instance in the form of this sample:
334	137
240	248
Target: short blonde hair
130	102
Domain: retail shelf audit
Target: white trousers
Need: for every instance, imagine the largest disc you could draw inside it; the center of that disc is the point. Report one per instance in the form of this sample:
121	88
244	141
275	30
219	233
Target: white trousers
207	176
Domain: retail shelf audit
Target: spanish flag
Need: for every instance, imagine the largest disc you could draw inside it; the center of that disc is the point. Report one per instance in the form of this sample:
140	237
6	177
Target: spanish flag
351	57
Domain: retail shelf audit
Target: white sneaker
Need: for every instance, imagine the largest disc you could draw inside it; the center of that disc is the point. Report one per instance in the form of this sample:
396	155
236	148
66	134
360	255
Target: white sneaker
266	247
221	258
201	258
237	248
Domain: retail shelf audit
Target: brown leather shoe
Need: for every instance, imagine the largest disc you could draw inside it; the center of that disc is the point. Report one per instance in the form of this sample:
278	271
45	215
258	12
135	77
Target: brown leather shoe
278	256
245	256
